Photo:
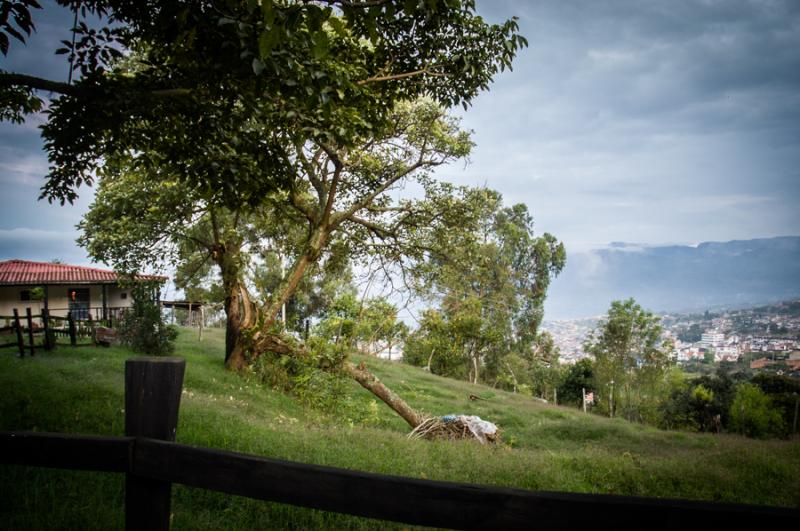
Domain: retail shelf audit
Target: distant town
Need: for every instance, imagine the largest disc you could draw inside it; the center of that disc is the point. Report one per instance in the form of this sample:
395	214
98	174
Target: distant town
761	338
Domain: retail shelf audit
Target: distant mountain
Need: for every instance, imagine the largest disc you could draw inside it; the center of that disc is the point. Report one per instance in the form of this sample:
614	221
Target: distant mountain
677	278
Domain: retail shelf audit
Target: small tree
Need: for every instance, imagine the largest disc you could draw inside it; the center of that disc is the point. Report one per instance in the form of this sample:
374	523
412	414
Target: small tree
142	327
630	359
577	378
753	415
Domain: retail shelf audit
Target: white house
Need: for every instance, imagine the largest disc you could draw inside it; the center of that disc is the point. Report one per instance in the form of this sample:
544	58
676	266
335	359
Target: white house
61	288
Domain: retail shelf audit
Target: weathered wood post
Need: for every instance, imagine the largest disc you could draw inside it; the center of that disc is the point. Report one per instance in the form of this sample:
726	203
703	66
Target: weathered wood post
48	344
152	399
18	327
91	330
29	317
73	339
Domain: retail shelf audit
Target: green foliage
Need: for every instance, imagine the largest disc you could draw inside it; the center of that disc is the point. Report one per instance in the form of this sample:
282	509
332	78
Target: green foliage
577	377
17	102
330	74
753	414
783	391
701	395
489	275
630	360
142	327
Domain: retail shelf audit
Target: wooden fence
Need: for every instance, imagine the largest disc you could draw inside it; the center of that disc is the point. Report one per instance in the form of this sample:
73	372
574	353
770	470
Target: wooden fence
25	330
152	462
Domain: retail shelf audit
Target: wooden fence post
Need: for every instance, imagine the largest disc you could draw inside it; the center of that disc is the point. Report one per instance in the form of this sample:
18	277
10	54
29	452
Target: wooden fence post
73	339
29	317
20	341
46	325
91	330
152	399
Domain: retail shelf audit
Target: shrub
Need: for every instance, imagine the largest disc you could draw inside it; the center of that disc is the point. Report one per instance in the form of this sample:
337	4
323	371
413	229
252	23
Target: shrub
142	327
753	414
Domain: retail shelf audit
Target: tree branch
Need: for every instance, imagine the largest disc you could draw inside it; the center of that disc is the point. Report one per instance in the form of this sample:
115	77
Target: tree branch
297	203
379	231
8	79
391	77
38	83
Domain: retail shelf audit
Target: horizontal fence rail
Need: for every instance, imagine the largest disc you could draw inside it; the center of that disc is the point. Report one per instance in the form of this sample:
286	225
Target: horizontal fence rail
400	499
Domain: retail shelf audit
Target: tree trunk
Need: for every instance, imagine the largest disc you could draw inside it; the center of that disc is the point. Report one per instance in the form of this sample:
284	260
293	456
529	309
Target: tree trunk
371	383
289	285
240	316
271	342
265	340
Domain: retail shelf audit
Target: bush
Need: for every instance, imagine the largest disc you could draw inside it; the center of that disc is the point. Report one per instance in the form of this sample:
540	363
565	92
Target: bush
753	414
143	329
578	377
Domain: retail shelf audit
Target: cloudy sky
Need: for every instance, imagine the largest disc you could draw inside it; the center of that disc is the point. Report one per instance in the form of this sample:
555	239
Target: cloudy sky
640	121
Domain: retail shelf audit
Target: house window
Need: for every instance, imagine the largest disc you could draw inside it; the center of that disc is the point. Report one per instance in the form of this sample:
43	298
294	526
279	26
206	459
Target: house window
33	294
123	295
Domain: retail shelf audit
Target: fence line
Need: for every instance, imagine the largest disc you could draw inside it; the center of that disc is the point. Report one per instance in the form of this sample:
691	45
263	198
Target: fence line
70	328
152	465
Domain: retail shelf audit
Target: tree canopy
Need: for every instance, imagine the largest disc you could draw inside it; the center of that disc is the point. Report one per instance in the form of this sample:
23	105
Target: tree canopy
630	358
257	78
490	281
217	126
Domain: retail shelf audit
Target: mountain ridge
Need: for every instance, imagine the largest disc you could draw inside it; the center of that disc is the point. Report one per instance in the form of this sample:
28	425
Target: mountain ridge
675	278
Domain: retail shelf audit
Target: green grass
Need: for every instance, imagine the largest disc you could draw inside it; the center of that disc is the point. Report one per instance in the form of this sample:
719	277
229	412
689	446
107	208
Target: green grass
80	390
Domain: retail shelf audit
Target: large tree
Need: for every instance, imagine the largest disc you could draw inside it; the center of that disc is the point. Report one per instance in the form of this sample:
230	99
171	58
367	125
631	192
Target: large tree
302	107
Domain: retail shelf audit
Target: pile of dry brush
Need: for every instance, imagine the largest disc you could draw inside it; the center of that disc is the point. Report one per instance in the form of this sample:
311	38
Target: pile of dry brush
441	428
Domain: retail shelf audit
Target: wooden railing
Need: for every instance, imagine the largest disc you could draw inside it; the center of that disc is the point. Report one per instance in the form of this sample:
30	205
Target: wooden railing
152	462
50	328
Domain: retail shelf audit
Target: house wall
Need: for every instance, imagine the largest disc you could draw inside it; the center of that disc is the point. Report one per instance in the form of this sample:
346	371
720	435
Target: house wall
9	299
115	299
58	299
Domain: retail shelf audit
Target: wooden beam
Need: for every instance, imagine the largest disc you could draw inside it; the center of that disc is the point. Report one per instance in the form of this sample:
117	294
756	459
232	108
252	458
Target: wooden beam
400	499
67	451
433	503
29	319
20	341
152	400
105	303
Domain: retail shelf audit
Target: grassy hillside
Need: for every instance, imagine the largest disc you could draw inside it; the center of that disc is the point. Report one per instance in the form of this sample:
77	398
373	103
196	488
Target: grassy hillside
550	448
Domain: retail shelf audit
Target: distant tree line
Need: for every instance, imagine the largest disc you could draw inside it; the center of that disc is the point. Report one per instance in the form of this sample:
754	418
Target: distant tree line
631	376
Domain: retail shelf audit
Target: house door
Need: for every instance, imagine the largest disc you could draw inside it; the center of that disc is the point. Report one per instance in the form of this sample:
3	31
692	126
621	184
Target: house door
79	302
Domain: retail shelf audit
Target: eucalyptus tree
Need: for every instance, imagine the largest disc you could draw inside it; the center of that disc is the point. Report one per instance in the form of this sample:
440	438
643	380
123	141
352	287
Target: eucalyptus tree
489	282
630	358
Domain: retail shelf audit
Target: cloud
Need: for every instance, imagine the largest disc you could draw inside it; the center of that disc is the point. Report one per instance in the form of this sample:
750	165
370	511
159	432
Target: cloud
41	245
646	121
21	167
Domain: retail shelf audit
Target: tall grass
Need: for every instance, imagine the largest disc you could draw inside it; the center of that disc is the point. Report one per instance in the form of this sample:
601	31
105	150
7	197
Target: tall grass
80	390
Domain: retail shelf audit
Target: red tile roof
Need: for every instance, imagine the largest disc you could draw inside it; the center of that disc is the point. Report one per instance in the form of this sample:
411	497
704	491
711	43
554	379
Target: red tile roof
20	272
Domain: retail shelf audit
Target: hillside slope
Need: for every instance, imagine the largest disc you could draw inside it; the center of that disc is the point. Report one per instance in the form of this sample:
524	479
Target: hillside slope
554	448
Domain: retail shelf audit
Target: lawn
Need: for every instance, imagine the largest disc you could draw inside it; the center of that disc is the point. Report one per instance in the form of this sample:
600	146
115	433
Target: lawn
552	448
